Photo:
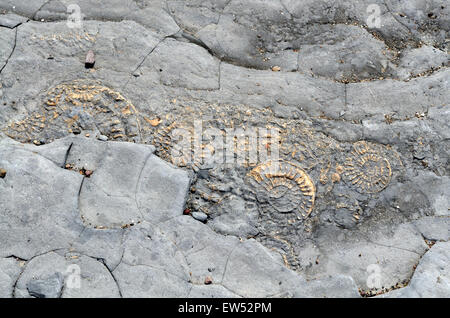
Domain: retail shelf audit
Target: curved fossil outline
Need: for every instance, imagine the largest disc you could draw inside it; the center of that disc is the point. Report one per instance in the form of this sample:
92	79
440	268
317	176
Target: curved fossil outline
366	170
287	186
85	96
167	147
284	248
163	142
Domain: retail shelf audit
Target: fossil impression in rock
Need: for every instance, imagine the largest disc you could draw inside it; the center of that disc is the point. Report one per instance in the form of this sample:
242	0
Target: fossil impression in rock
366	170
80	106
285	187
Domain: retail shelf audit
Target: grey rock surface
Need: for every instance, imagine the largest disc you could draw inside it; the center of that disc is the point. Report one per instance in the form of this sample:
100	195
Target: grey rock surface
50	287
24	222
9	273
340	286
7	37
11	20
434	228
199	216
420	60
96	186
431	278
83	277
211	291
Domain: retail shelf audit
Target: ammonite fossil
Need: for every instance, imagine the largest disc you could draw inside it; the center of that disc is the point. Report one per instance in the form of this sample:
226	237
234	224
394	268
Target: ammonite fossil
365	170
77	107
285	187
203	145
164	142
283	247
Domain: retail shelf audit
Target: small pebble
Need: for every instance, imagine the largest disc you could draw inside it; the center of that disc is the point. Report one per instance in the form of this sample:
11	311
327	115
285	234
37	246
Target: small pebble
102	138
90	59
208	280
2	173
200	216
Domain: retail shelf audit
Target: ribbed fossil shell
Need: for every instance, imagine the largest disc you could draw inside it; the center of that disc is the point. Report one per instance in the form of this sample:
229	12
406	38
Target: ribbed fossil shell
366	170
80	106
287	187
165	142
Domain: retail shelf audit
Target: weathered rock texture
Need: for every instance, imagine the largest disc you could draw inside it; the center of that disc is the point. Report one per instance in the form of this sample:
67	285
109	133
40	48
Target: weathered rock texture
95	202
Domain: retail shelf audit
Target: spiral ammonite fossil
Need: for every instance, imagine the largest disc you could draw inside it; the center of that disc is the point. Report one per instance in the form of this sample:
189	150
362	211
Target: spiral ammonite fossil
365	170
285	187
80	106
176	147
